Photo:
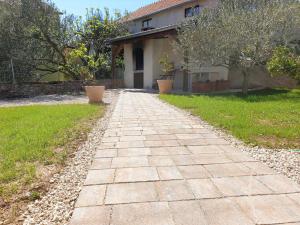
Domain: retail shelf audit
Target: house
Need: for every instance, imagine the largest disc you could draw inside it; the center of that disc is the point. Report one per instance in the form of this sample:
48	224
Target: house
152	34
153	31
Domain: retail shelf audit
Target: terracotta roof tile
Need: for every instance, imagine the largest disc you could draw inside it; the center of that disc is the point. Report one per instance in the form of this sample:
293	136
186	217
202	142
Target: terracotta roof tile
154	7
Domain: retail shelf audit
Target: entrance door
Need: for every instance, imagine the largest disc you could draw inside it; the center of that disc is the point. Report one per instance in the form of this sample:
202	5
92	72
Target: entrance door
139	80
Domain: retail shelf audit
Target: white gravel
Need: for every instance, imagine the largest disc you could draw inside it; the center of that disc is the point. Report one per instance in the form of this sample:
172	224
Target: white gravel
45	100
57	205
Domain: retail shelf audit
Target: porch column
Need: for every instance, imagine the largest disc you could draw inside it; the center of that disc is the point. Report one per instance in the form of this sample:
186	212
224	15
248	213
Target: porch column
148	63
128	61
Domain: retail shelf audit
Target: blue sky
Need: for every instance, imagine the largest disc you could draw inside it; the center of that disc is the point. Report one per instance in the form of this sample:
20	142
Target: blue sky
78	7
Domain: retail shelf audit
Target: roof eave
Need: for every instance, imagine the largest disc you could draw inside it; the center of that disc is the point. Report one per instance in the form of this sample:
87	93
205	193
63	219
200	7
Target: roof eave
144	33
158	11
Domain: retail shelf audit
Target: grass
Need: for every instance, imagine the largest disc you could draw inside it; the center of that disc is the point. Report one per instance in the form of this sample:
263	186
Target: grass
35	136
269	118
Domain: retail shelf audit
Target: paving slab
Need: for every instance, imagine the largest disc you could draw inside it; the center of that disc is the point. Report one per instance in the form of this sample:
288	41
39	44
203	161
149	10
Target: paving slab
193	172
206	159
120	162
155	213
91	196
295	197
239	186
279	183
270	209
206	149
160	161
224	211
99	215
109	153
187	213
229	170
134	152
131	193
174	190
159	166
204	188
259	168
100	177
169	173
136	174
98	164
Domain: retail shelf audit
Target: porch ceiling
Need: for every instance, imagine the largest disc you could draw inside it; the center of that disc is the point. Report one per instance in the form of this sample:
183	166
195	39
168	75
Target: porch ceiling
152	34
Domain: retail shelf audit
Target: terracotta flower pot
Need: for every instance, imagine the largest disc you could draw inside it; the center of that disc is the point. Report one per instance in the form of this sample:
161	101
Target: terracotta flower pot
165	86
95	93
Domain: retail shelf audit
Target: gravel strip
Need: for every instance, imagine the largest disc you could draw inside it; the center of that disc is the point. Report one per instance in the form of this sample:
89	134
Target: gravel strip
56	207
45	100
284	161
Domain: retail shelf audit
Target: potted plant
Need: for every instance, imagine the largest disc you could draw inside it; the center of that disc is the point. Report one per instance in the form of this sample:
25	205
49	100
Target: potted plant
93	91
83	63
165	85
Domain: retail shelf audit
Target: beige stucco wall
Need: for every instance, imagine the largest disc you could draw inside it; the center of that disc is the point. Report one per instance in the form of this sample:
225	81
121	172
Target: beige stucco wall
128	61
154	49
259	78
148	63
215	72
168	17
166	46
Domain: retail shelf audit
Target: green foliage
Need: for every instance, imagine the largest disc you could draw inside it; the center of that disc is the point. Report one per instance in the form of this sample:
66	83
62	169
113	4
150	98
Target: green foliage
94	34
39	38
34	195
284	62
74	63
35	36
268	118
167	65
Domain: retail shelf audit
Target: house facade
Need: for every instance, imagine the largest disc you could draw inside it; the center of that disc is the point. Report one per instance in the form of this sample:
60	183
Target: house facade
152	35
153	31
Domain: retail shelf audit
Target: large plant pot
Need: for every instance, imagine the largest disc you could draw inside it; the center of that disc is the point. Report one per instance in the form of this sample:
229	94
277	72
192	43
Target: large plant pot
95	93
165	86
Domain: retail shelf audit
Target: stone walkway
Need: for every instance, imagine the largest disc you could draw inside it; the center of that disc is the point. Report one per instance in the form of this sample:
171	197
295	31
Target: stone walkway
158	166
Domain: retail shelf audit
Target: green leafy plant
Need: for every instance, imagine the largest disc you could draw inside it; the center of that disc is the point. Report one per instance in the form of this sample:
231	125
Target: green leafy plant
284	62
166	65
82	63
34	195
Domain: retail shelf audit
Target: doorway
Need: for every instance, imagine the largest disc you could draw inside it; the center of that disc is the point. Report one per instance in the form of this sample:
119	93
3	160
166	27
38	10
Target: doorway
139	67
139	80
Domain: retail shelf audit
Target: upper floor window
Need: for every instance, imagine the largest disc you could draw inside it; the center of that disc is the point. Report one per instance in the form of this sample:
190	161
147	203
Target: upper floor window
192	11
147	24
197	10
188	12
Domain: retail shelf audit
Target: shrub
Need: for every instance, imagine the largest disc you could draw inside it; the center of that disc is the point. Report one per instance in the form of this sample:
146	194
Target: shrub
284	62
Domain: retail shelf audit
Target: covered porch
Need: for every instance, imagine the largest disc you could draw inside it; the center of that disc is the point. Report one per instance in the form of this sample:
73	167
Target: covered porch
142	53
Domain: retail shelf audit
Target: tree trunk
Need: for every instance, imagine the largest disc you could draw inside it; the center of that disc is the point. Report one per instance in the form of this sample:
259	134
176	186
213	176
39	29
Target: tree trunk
245	81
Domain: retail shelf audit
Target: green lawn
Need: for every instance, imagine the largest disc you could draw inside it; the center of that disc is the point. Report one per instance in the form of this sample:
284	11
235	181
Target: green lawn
268	118
34	136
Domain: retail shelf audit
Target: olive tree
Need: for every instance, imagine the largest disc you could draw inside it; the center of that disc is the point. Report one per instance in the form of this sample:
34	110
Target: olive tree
35	35
241	32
